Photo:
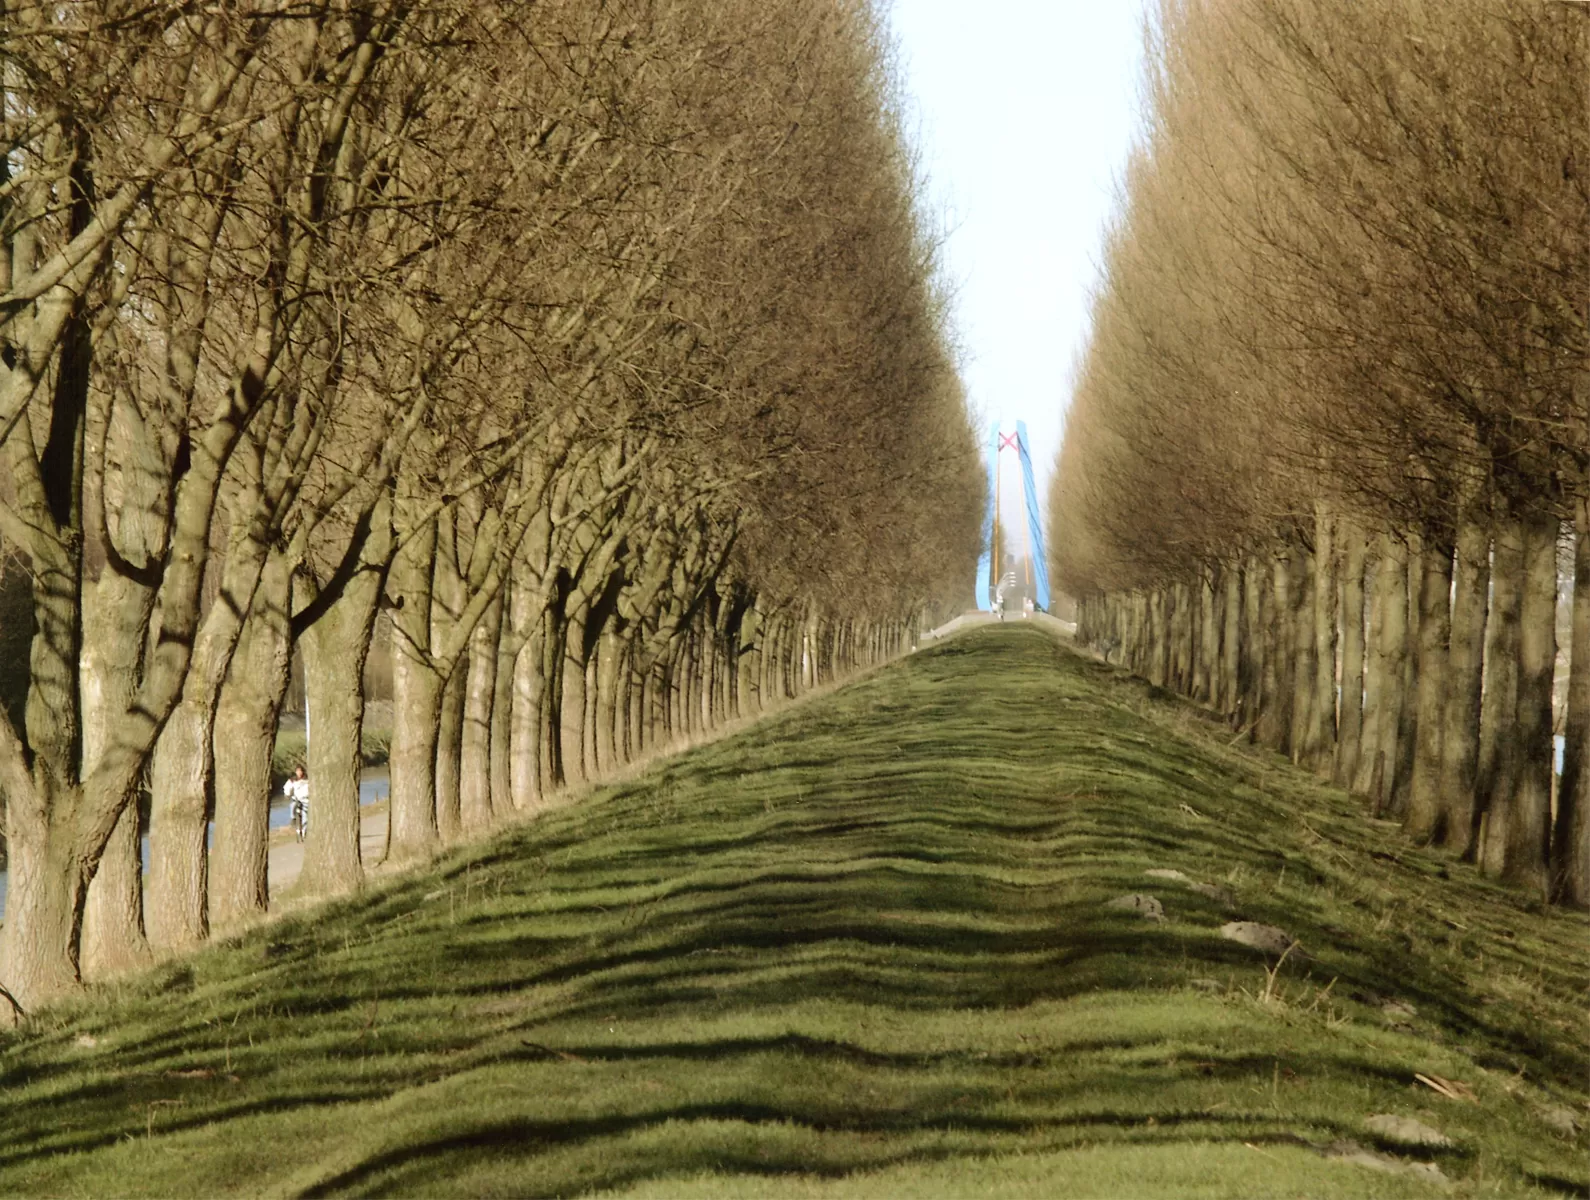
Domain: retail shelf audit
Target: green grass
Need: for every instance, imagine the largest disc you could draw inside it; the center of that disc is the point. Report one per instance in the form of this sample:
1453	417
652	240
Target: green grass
862	949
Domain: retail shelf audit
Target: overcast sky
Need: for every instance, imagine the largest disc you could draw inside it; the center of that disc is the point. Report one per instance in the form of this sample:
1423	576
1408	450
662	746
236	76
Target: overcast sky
1023	112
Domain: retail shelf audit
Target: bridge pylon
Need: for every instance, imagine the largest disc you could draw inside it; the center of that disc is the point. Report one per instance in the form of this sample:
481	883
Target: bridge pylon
1023	531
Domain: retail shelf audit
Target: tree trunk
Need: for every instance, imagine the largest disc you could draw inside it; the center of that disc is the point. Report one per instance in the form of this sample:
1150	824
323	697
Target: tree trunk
529	737
1321	749
38	949
416	718
1303	742
1435	629
593	770
416	700
814	632
480	692
1571	834
1401	786
181	774
176	913
1208	642
1524	861
334	652
509	644
796	662
707	677
1251	656
335	649
610	669
635	737
1460	741
1159	671
1229	700
687	671
1179	678
449	756
1385	674
573	707
1275	711
246	718
1497	768
1350	599
113	940
749	691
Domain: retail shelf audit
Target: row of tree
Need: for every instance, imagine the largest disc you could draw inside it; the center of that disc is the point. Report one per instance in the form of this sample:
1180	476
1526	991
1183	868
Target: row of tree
596	341
1334	420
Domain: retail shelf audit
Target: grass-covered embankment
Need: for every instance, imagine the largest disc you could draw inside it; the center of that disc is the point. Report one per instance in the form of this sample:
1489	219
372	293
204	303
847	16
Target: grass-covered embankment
863	948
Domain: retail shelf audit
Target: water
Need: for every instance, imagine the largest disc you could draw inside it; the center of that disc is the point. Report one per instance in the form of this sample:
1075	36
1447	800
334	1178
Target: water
373	785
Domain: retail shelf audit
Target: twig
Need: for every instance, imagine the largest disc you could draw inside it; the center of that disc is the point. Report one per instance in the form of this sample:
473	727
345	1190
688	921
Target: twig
12	1001
1450	1088
1244	732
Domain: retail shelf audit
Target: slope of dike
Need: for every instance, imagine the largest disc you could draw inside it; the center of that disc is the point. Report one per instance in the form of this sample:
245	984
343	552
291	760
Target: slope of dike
953	930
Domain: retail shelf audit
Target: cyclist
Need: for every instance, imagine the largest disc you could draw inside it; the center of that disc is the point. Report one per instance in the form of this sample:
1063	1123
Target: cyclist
297	791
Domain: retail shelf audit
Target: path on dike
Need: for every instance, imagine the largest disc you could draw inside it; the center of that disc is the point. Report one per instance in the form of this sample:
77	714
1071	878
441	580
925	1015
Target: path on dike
952	930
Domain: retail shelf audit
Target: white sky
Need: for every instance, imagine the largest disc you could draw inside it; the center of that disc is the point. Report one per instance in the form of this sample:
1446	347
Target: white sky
1023	112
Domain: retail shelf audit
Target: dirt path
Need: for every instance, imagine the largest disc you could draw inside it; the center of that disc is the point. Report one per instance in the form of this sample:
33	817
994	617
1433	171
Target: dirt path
286	857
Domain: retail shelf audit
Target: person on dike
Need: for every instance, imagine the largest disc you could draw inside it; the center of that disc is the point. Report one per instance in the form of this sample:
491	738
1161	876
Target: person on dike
297	792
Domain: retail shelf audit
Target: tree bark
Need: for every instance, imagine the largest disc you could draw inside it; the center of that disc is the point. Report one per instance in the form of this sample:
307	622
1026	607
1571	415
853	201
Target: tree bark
176	914
480	692
593	770
1303	742
509	644
416	719
1497	769
1571	831
45	892
1208	642
1460	741
1275	709
1229	701
449	756
1401	785
1435	626
1321	749
749	692
1524	862
1350	600
554	637
181	775
573	706
334	652
610	671
113	940
1251	658
1386	674
529	737
1181	635
1159	657
246	718
416	697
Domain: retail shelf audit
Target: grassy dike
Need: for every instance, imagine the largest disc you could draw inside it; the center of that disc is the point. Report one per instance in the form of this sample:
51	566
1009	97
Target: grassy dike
864	948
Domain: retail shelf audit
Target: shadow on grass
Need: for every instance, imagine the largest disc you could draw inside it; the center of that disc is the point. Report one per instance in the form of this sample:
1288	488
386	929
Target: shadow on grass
423	1167
890	853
